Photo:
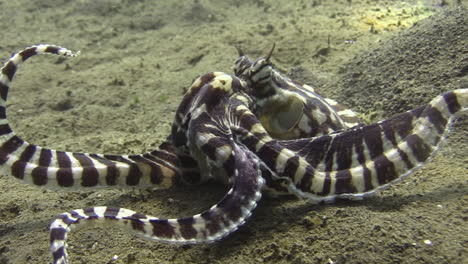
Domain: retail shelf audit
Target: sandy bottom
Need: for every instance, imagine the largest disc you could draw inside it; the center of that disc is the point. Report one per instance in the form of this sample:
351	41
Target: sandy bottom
119	96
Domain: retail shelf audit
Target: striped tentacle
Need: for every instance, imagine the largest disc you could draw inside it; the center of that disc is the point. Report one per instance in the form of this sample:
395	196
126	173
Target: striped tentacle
355	162
200	131
362	160
52	169
209	226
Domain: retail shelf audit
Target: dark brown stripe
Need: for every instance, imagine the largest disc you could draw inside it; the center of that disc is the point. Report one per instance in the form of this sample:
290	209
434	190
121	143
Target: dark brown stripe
247	121
343	146
436	118
39	176
2	108
3	91
306	181
9	70
360	149
186	227
52	49
111	212
452	102
290	167
385	169
344	183
64	173
28	153
27	53
389	132
156	176
315	150
269	152
367	178
421	150
136	223
12	144
373	139
212	222
45	157
59	253
57	234
361	158
134	174
112	172
39	173
402	123
162	228
404	157
18	167
5	129
90	213
90	175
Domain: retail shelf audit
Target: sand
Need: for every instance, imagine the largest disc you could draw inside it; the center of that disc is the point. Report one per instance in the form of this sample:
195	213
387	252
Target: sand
137	57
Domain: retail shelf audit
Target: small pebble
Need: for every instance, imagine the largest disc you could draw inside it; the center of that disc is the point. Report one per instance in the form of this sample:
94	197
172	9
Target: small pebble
428	242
